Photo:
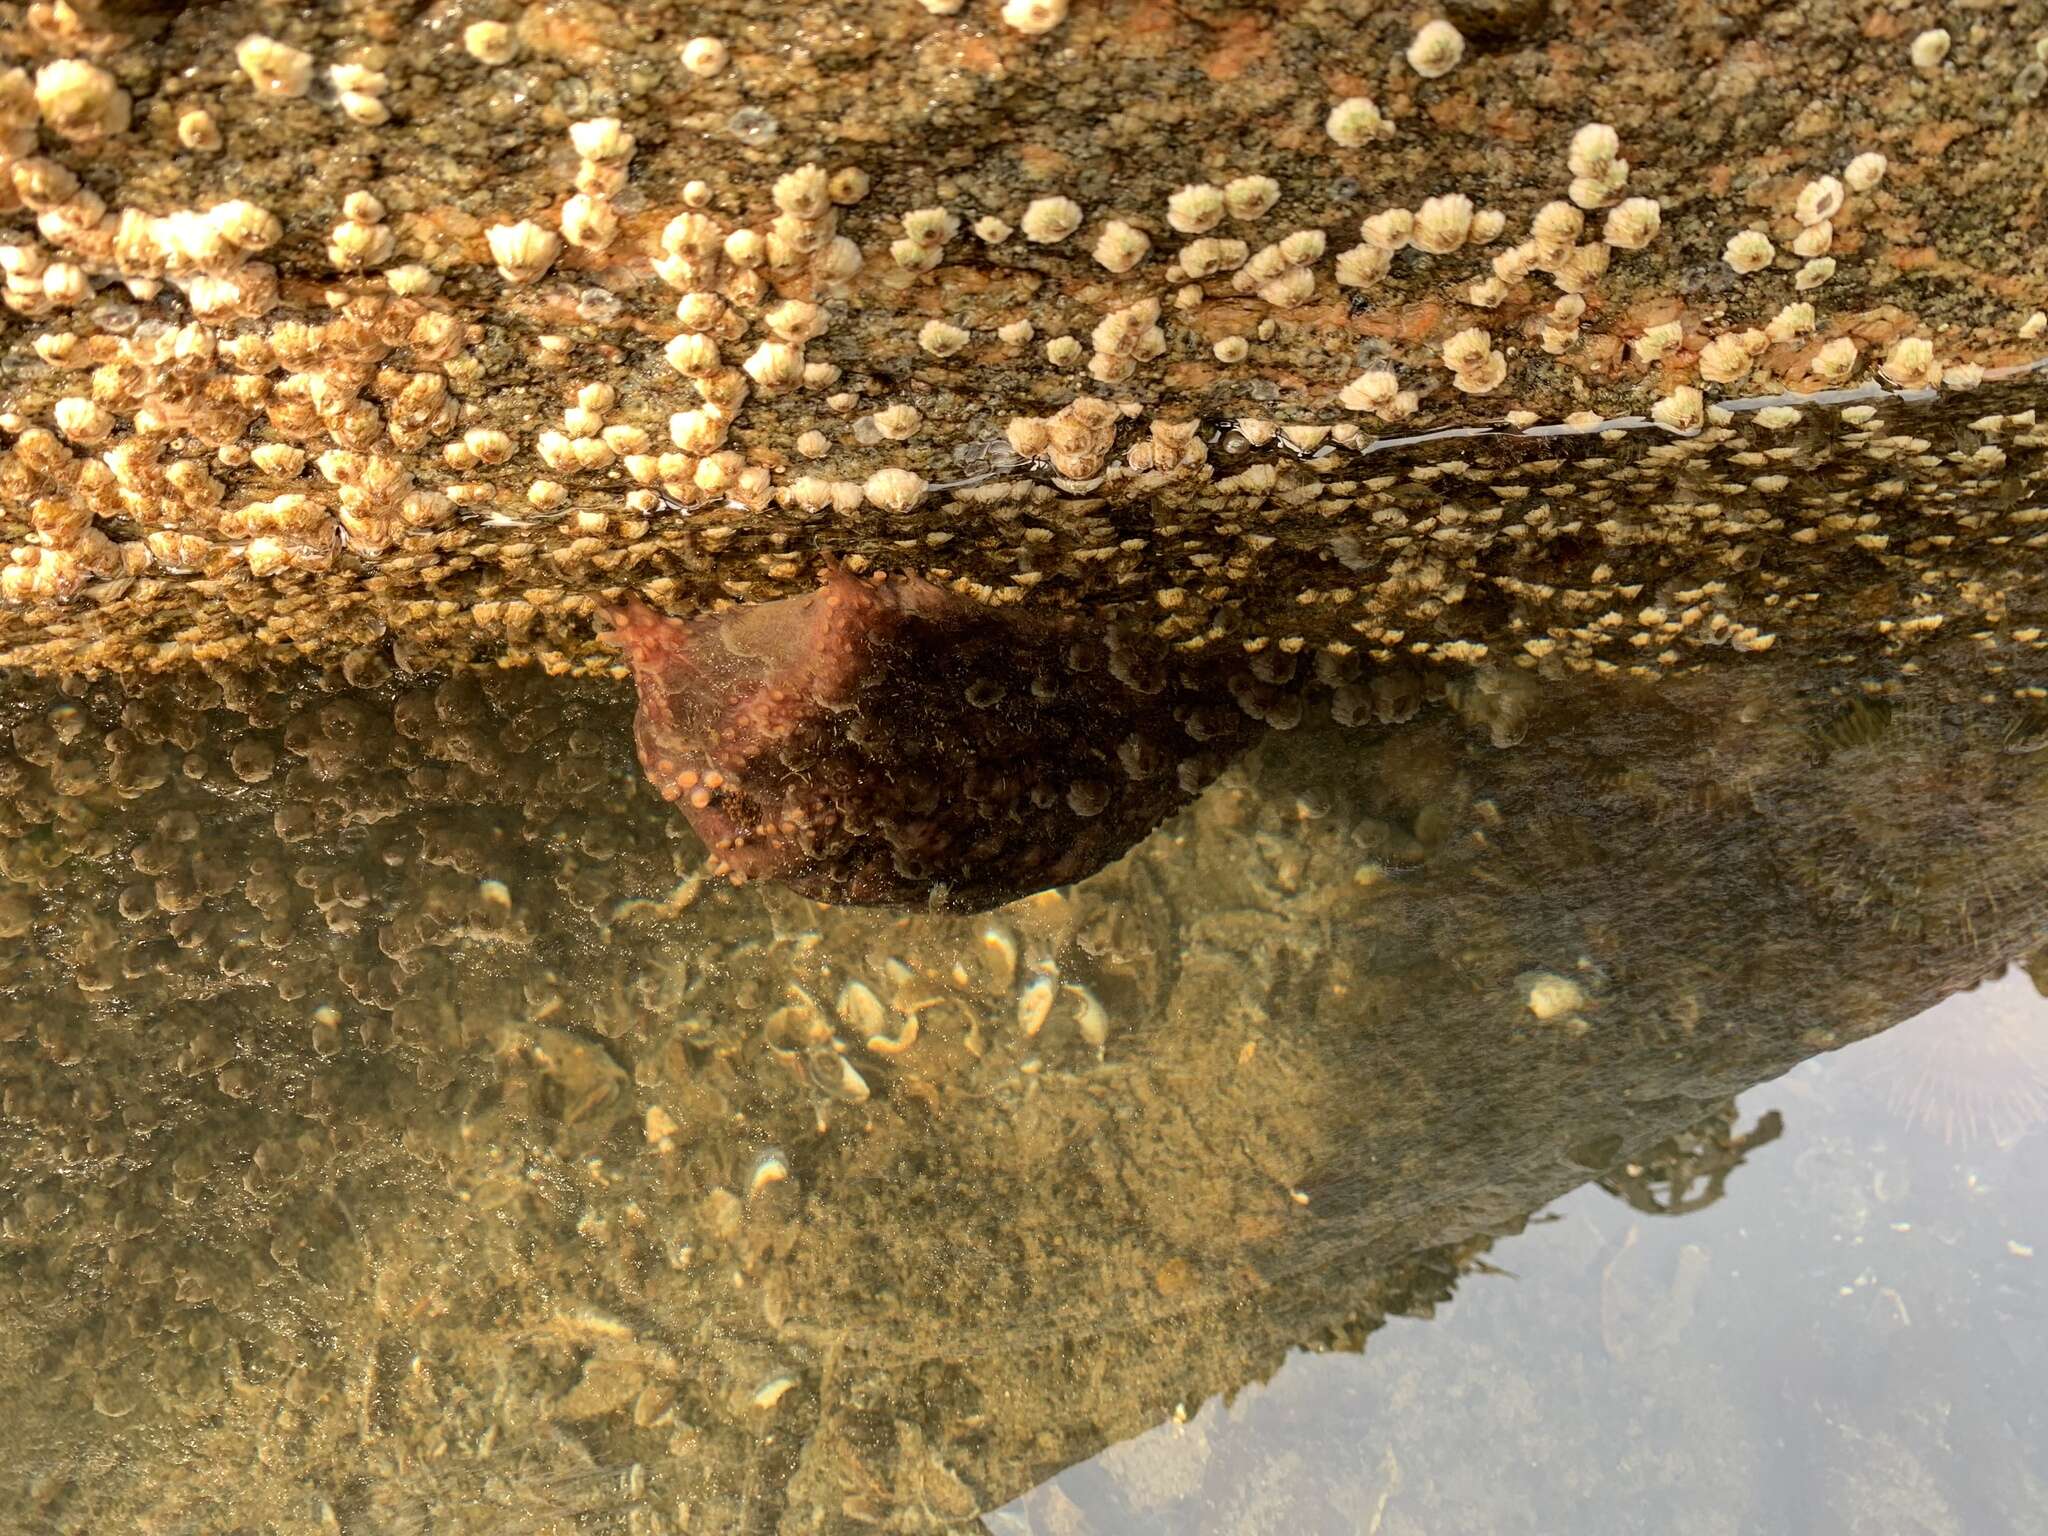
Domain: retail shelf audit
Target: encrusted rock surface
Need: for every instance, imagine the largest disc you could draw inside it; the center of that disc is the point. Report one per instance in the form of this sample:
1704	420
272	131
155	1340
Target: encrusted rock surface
336	323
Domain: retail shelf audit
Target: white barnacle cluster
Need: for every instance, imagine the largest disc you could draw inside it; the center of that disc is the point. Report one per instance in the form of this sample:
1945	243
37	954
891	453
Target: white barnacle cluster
205	253
1169	447
1477	366
604	151
586	440
362	239
67	551
1733	357
1209	255
1598	171
359	92
80	101
374	499
293	530
1815	207
1554	247
922	245
77	101
279	439
1443	224
1729	357
166	408
1282	273
732	278
1561	325
1125	338
1076	440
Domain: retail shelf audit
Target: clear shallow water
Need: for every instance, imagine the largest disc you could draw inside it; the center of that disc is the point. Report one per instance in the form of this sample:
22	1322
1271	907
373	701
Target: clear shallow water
1850	1339
401	1135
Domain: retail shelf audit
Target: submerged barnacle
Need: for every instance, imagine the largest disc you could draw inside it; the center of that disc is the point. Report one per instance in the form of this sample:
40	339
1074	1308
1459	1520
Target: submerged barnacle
771	1392
1035	1002
894	490
1551	998
198	131
770	1168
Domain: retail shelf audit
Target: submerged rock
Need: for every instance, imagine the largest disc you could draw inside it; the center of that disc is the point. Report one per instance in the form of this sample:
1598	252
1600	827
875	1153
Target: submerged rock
892	743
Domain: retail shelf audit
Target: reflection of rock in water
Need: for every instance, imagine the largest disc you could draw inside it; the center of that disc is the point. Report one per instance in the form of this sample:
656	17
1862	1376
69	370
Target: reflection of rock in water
892	743
1886	824
1973	1070
361	1020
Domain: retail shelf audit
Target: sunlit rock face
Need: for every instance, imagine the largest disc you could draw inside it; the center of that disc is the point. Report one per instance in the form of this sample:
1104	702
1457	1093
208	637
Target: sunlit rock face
891	743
